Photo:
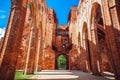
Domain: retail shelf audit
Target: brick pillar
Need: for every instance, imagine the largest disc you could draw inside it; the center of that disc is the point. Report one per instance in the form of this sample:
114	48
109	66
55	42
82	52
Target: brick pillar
115	41
95	63
11	50
112	25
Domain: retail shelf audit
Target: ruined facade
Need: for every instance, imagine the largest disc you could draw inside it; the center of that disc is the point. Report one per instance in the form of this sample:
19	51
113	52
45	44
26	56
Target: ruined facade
94	28
33	41
63	44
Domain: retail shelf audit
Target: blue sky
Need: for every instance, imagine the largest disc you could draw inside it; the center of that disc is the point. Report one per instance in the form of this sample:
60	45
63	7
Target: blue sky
61	7
4	14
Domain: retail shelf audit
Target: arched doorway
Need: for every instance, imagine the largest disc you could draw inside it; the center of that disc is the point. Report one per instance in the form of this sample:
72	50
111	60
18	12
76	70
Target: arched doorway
62	62
98	41
105	64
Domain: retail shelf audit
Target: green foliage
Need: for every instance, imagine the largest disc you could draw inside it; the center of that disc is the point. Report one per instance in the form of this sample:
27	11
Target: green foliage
62	62
19	76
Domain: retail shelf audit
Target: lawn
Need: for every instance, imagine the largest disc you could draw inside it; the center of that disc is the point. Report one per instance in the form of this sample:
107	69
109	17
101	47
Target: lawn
19	76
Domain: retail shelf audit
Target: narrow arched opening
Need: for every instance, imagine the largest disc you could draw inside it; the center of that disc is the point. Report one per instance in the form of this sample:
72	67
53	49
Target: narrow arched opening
62	62
99	41
86	48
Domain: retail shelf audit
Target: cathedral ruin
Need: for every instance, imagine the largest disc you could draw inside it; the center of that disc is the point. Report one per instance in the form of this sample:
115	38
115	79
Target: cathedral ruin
33	40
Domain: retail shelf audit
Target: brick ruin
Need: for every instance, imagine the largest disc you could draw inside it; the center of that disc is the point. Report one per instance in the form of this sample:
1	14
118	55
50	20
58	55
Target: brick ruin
33	41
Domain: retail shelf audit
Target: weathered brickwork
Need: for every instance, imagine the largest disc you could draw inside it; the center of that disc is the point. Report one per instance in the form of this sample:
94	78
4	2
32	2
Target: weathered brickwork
95	34
12	39
33	41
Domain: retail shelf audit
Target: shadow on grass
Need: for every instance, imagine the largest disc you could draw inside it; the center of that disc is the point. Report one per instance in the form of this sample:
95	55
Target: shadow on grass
20	76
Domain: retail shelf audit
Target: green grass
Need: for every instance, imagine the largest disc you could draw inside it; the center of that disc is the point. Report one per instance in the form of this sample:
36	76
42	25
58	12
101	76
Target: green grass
20	76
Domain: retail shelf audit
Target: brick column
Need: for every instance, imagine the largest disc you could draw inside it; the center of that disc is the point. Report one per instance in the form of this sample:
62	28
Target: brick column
112	25
11	50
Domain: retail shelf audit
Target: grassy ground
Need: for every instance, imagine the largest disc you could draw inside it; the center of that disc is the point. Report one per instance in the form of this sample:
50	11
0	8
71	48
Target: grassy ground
19	76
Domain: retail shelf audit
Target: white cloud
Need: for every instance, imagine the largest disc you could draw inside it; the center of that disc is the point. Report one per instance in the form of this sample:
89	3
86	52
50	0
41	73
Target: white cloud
2	11
2	16
2	32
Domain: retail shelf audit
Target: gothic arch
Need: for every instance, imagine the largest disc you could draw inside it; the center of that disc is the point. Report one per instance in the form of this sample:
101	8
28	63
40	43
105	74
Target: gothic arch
93	11
85	47
84	33
97	30
94	41
66	56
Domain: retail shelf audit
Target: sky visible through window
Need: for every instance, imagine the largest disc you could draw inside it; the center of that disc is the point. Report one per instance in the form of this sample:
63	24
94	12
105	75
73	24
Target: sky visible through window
61	7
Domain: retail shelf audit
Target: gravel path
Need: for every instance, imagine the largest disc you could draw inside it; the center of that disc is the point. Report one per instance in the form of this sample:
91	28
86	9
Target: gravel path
66	75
